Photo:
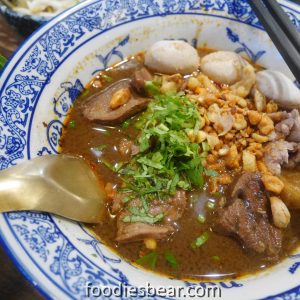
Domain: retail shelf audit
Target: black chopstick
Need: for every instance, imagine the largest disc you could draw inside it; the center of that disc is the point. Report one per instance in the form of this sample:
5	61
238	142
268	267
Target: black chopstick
284	22
296	1
285	45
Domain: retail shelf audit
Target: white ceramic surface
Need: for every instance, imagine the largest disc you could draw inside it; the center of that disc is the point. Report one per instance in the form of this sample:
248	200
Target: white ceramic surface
39	85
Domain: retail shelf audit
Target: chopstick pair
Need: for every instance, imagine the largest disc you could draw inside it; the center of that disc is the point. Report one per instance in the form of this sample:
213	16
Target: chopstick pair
281	31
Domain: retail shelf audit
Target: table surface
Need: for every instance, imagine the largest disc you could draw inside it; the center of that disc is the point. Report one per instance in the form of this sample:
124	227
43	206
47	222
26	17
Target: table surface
12	283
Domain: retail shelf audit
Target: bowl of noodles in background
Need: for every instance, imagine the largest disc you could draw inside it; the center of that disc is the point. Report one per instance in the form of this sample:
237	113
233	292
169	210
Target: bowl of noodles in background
28	15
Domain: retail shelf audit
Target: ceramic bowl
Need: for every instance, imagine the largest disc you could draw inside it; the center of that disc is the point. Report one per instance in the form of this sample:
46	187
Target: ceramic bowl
25	24
38	87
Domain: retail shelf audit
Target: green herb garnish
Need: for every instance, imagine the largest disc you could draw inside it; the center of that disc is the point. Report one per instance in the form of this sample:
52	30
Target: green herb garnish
72	124
205	146
3	61
201	219
216	258
217	195
85	93
171	260
126	124
210	205
100	148
167	159
200	241
115	168
143	217
152	88
211	173
107	78
148	260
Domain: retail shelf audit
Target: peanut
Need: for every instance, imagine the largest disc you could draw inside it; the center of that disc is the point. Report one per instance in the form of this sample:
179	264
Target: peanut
281	214
266	125
119	98
150	243
254	117
232	158
224	179
262	168
201	136
249	161
223	151
193	83
272	183
259	138
239	122
271	107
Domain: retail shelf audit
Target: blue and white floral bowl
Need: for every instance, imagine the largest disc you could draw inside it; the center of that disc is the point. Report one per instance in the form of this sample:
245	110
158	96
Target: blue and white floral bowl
39	85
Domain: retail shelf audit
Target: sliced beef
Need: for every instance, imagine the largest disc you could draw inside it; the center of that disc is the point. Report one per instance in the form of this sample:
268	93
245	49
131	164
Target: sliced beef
246	217
139	79
97	107
276	154
172	209
131	232
117	202
125	68
294	158
287	127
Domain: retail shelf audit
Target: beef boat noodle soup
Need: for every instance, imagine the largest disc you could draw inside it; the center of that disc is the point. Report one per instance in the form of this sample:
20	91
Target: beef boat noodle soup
198	157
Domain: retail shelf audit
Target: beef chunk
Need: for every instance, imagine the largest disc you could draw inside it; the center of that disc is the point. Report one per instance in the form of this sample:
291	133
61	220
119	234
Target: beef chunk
246	217
97	107
294	158
172	209
139	79
131	232
276	154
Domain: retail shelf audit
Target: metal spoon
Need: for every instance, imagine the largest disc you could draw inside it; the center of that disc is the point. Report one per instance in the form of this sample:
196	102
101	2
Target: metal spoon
59	184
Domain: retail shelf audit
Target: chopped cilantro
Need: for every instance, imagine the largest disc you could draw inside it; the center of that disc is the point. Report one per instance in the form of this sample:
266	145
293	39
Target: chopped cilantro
85	93
148	260
107	78
115	168
201	240
100	148
201	219
143	218
210	204
211	173
217	195
3	61
167	159
152	88
107	164
205	146
216	258
171	260
125	124
72	124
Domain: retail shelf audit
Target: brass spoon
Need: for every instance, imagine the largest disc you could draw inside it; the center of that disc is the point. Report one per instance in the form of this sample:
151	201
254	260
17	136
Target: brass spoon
59	184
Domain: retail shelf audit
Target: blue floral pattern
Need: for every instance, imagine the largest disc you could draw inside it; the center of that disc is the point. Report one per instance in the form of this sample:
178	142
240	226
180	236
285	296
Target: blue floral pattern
243	47
19	95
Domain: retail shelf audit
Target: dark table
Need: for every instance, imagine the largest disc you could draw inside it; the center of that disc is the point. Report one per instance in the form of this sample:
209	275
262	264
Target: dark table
12	283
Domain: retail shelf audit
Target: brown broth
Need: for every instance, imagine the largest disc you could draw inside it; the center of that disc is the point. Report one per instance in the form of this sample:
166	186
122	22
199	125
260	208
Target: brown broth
219	257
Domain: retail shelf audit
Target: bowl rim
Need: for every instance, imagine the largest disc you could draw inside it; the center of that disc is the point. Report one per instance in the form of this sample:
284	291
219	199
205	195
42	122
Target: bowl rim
2	241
